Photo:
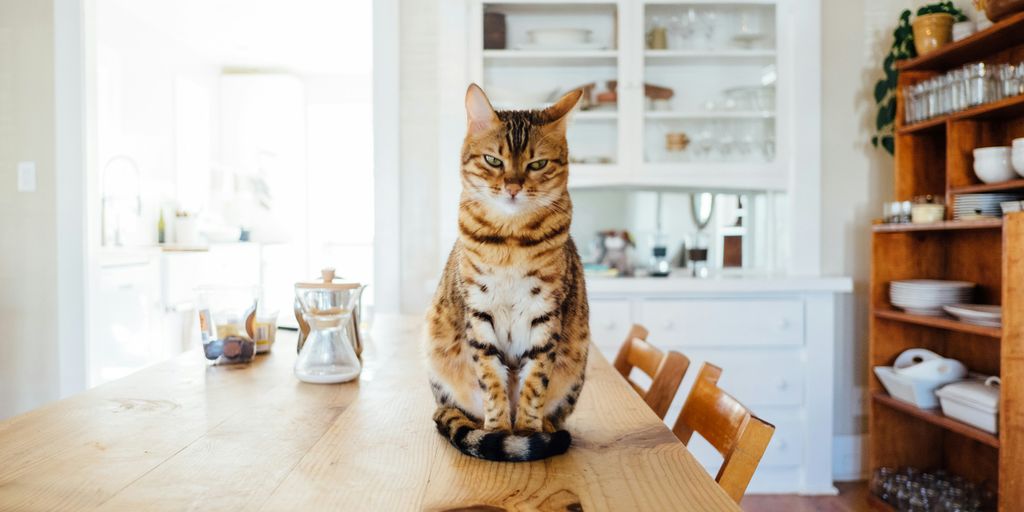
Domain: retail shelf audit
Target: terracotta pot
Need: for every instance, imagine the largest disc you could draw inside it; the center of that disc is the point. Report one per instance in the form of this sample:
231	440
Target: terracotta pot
932	31
996	10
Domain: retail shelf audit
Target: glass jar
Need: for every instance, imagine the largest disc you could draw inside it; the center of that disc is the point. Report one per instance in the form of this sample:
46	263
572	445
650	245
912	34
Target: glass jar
979	84
227	316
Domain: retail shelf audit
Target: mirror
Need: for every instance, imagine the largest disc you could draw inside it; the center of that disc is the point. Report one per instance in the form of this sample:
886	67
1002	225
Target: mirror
702	206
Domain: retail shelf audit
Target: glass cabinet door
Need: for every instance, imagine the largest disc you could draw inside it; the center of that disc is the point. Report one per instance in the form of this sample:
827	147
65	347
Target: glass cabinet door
535	52
709	83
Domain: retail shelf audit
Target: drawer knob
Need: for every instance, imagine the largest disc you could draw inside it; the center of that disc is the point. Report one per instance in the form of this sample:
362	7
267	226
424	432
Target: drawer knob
782	385
782	445
609	325
783	324
669	325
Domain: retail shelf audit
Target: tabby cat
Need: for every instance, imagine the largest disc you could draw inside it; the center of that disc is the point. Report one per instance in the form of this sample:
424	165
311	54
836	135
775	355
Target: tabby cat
508	329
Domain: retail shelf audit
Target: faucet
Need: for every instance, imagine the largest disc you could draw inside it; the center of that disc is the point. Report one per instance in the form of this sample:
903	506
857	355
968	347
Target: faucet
107	200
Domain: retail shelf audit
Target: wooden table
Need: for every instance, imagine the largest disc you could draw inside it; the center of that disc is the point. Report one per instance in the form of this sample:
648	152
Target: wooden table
183	435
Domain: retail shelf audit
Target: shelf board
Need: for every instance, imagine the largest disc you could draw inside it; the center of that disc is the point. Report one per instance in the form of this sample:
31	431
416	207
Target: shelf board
939	322
551	57
935	417
595	115
989	187
710	114
1005	34
675	56
946	225
1002	109
710	2
683	175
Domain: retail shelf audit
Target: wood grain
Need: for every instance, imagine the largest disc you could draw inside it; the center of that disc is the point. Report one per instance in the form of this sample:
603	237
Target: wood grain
182	436
1011	406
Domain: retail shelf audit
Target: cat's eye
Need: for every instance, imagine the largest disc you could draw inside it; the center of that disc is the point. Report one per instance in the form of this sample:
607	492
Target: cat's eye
492	161
538	165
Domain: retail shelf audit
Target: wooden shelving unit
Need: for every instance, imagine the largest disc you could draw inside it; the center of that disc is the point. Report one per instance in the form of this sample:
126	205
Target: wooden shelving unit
934	157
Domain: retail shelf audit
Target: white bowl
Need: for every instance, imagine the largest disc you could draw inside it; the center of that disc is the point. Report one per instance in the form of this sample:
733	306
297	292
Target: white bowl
559	36
1018	144
1017	161
963	29
992	152
994	170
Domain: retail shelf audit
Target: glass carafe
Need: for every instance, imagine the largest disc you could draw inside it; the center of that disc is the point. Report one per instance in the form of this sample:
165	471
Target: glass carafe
329	354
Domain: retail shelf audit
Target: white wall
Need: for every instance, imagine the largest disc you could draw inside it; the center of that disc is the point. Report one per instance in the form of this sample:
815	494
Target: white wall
419	152
29	351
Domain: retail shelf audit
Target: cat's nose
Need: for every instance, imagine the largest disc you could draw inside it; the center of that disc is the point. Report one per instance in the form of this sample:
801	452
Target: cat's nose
513	189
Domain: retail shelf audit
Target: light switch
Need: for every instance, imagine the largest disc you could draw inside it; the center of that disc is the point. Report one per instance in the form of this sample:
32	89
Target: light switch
26	176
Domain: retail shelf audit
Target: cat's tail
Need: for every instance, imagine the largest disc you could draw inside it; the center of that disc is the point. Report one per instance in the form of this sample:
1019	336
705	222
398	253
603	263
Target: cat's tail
465	434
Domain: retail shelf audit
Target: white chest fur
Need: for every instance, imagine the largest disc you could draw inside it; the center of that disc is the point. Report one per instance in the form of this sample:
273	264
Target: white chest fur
510	302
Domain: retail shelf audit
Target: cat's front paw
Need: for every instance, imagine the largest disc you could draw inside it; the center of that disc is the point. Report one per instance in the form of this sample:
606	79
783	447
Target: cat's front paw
526	425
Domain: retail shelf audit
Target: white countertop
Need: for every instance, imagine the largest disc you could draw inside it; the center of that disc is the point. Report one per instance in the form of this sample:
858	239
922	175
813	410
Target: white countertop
737	284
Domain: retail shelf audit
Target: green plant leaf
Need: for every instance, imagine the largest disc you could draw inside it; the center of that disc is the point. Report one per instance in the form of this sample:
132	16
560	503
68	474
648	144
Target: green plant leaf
881	89
889	144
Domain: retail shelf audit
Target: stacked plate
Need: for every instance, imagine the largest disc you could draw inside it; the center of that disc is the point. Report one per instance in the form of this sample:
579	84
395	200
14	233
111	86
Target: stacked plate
928	296
968	206
978	314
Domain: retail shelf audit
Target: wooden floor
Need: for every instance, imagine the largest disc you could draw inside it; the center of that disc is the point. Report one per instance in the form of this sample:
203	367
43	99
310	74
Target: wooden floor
852	498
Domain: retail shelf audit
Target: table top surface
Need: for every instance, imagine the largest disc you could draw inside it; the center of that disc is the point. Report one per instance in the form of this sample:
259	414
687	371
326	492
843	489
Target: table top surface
185	435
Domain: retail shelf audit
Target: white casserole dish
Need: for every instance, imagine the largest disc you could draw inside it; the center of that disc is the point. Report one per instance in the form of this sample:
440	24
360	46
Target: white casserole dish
917	391
974	402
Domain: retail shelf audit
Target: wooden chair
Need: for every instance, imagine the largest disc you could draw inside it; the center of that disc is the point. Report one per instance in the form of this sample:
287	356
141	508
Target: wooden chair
665	370
739	436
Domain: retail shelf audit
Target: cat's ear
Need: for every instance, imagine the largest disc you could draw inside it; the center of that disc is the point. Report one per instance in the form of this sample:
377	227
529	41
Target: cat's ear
479	112
557	114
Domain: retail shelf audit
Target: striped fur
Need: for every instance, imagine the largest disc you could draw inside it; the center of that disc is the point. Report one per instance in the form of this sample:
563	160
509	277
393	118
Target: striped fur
508	328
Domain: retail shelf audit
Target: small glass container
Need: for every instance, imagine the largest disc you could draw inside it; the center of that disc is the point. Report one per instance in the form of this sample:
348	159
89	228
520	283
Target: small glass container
227	316
979	84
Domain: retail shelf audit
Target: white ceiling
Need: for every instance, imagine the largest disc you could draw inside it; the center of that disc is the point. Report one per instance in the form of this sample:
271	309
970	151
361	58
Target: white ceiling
304	36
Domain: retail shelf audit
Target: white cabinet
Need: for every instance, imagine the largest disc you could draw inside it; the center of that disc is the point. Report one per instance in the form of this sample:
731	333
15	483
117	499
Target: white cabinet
775	348
127	318
734	70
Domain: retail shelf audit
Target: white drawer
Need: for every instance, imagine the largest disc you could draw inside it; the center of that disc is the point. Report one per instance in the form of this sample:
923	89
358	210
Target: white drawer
610	321
766	378
724	323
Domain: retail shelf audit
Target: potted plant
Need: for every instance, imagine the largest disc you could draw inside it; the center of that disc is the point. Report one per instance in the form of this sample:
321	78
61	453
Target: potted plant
933	26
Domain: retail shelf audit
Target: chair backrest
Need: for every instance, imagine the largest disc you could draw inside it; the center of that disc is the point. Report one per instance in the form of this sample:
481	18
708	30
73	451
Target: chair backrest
665	370
739	436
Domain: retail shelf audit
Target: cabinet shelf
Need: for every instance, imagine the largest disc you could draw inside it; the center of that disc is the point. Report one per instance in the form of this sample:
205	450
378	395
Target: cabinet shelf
948	225
1008	32
595	115
710	114
939	322
727	55
989	187
682	175
551	57
935	417
1002	109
